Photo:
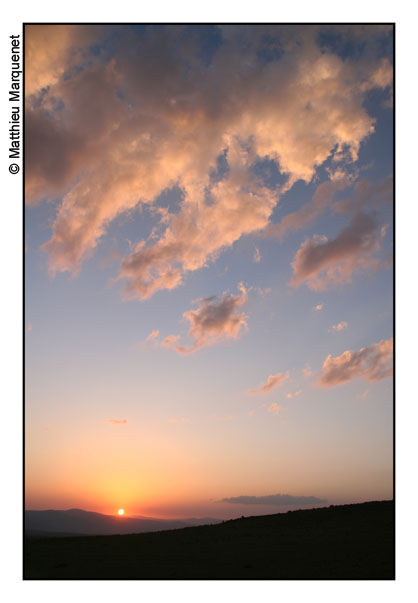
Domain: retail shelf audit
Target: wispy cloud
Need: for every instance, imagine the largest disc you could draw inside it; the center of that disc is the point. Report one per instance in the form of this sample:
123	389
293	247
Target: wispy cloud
308	213
274	408
213	321
257	256
272	382
274	499
116	421
318	307
181	420
371	363
307	371
363	395
366	195
153	335
321	262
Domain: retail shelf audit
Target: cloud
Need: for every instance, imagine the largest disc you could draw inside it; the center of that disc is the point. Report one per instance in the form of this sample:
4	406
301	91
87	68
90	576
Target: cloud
339	327
321	262
197	234
181	420
366	195
153	335
275	408
52	50
214	320
169	341
167	112
297	220
372	363
29	327
116	421
318	308
274	499
307	371
272	382
294	395
363	395
257	256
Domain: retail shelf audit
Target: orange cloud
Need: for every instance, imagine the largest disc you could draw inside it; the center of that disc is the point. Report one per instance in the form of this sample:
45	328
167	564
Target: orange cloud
160	123
307	371
275	408
169	341
320	262
339	327
318	308
371	363
116	421
153	335
272	382
214	320
290	395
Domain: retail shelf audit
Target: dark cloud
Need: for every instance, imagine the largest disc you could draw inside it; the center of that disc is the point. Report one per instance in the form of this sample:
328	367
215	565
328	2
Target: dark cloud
366	195
274	499
320	262
215	319
372	363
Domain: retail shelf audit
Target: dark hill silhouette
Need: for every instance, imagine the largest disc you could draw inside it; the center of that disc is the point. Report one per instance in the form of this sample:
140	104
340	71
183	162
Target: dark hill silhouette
79	522
341	542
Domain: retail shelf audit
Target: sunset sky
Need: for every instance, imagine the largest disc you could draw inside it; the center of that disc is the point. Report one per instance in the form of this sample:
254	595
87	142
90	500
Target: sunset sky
209	277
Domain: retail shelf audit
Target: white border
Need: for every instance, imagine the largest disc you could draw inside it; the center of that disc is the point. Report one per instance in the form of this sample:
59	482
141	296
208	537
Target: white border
10	240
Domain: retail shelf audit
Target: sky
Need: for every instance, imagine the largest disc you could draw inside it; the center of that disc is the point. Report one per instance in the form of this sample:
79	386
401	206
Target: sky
208	268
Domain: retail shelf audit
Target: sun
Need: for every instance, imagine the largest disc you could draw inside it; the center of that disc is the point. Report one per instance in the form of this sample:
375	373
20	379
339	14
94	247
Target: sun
121	511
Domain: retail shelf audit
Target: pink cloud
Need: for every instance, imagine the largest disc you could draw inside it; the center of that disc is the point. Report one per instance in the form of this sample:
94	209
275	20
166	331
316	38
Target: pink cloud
272	382
371	363
257	256
318	308
116	421
320	262
214	320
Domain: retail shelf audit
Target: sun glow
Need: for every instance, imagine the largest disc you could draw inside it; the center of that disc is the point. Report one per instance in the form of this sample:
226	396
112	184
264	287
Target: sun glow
121	511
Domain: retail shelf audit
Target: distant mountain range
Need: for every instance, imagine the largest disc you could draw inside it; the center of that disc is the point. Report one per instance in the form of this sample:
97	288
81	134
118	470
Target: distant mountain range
76	522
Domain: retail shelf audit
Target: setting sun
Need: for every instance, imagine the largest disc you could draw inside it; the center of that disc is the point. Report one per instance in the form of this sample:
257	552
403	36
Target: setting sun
121	511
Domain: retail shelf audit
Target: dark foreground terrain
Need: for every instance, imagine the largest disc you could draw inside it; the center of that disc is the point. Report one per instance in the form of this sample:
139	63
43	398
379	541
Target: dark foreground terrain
343	542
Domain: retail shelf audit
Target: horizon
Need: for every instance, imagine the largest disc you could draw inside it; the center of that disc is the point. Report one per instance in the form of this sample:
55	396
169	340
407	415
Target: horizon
208	268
